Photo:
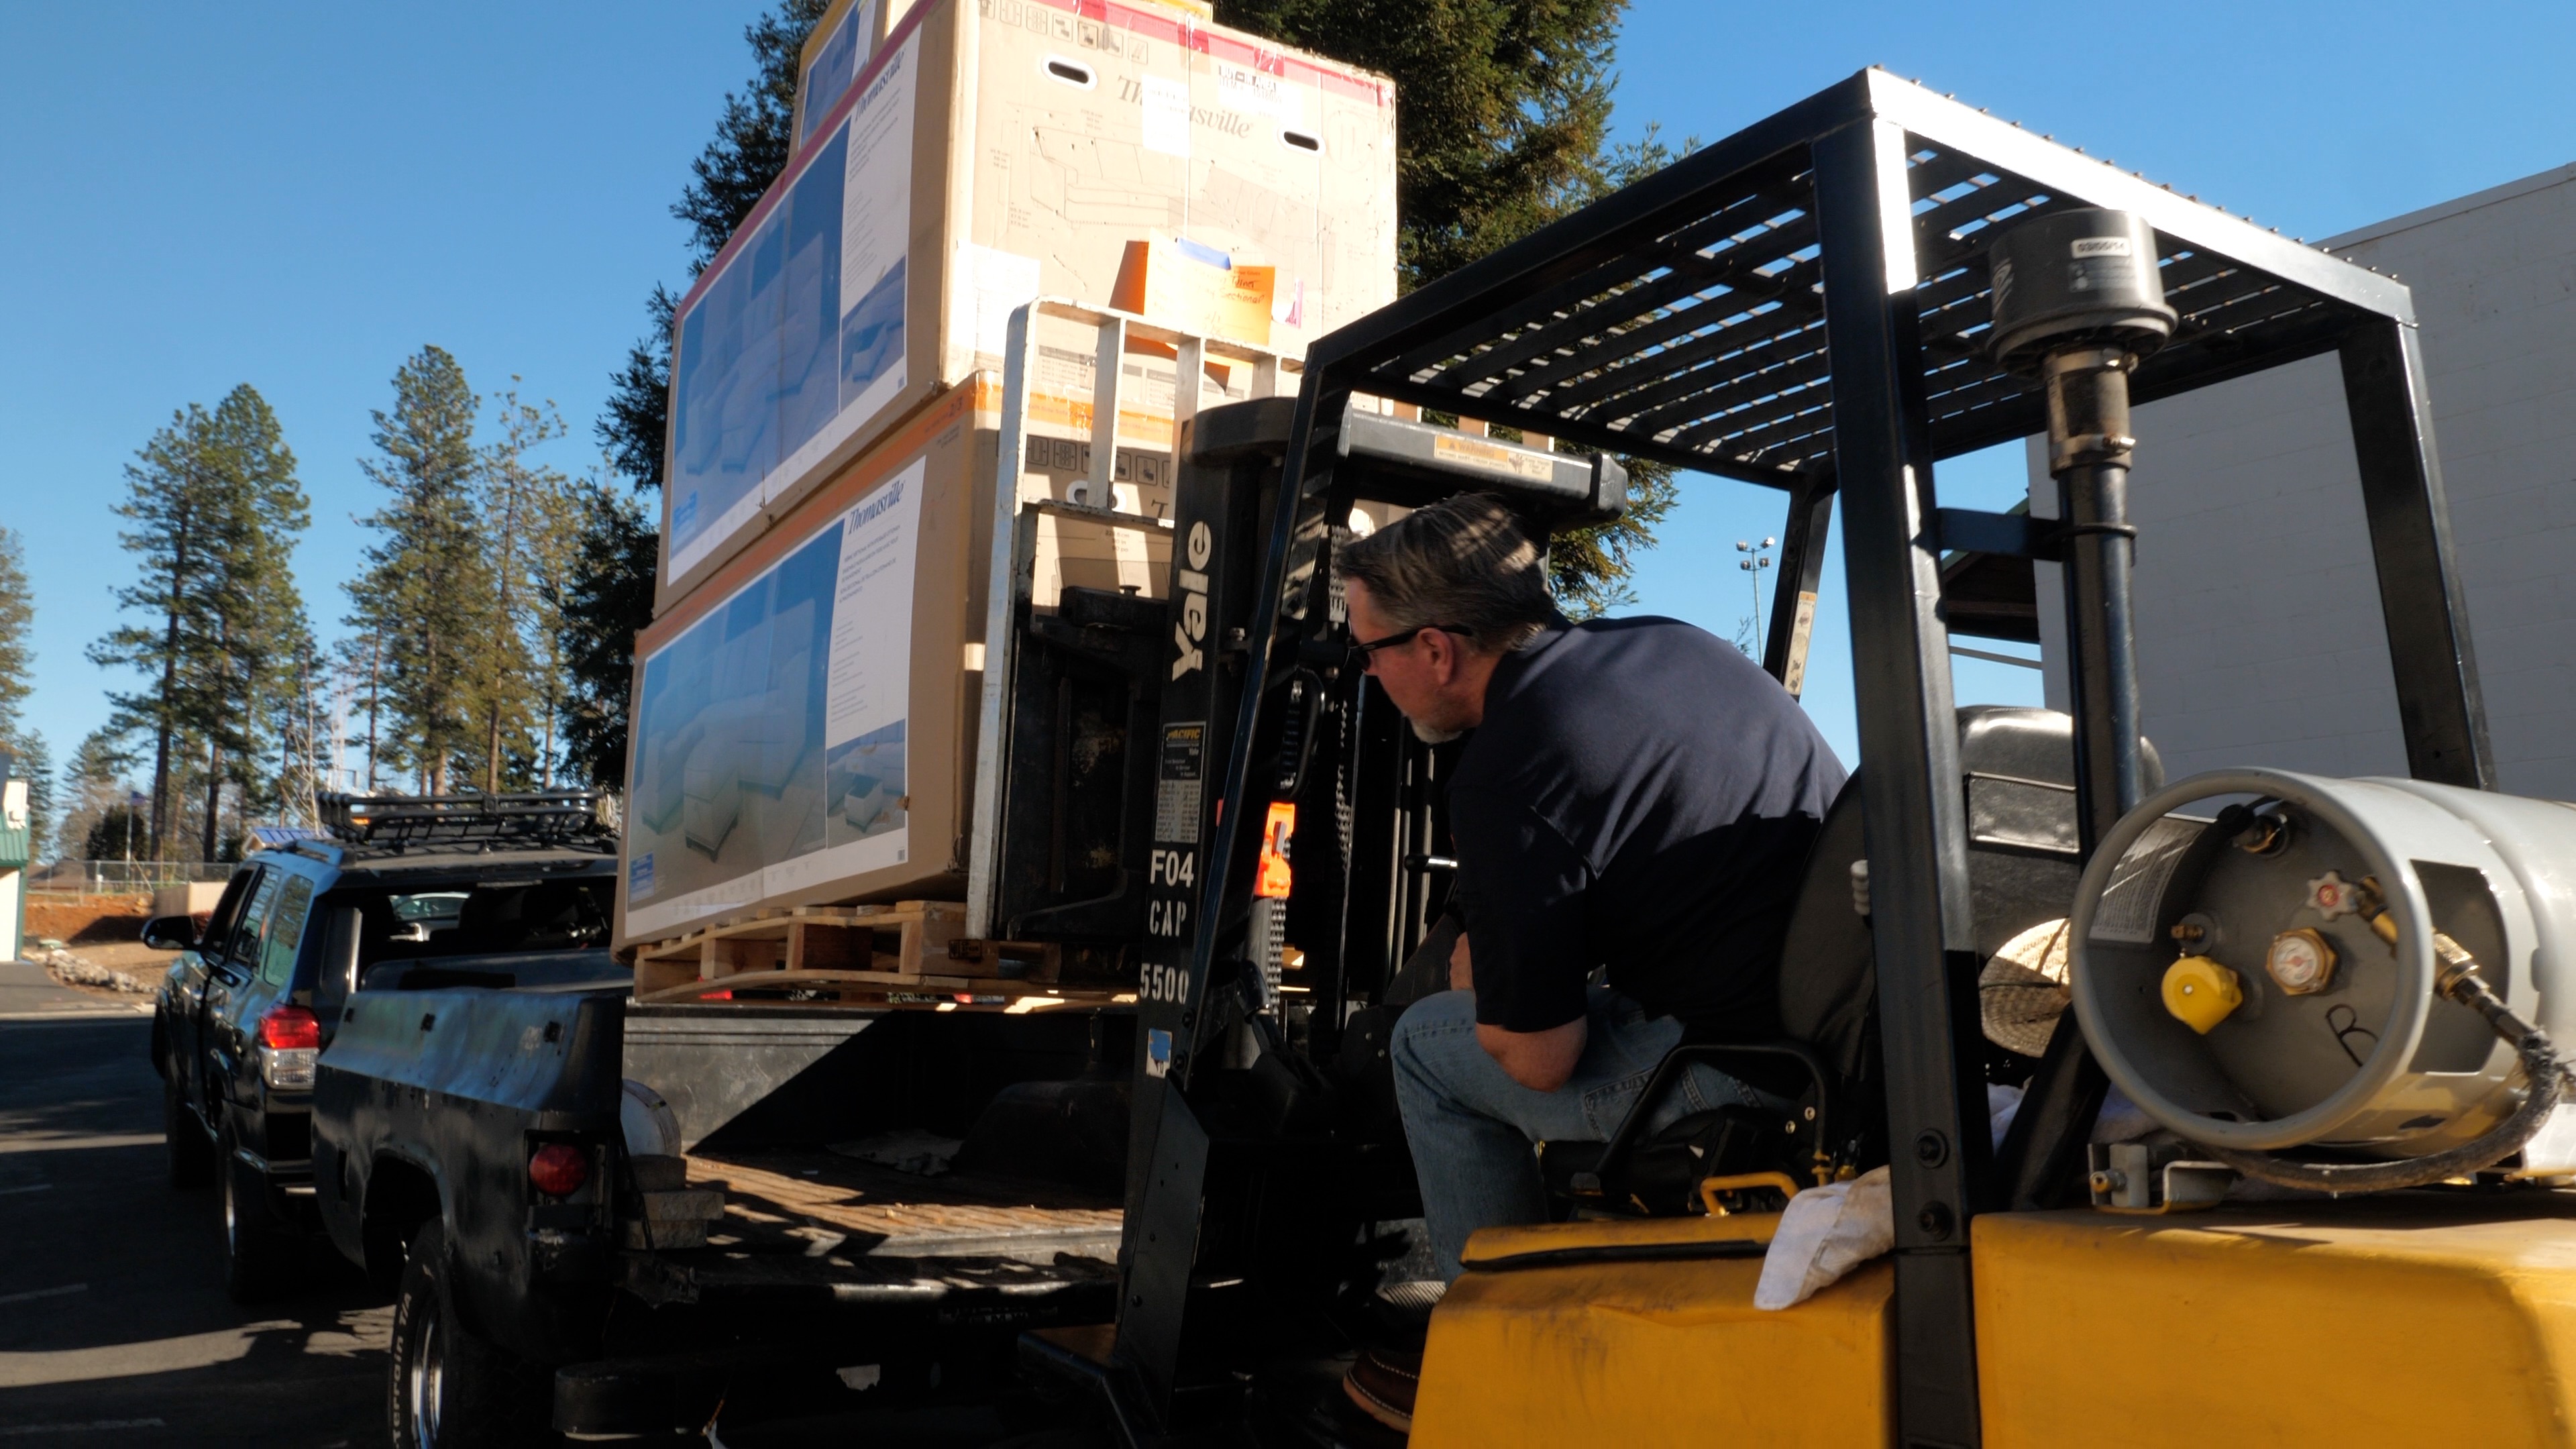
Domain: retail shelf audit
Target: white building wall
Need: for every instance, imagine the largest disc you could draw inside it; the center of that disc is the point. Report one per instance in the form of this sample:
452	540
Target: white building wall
2260	638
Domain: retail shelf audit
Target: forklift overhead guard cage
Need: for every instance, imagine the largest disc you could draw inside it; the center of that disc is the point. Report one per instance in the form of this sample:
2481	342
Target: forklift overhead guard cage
1803	305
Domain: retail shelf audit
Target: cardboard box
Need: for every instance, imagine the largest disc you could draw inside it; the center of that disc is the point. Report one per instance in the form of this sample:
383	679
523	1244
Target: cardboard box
804	723
800	727
985	153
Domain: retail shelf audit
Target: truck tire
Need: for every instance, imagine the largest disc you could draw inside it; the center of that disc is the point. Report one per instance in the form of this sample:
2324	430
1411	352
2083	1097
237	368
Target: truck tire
445	1386
191	1160
259	1251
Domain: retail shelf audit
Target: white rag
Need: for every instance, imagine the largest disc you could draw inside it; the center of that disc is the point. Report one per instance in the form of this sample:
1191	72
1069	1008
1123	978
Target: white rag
1826	1232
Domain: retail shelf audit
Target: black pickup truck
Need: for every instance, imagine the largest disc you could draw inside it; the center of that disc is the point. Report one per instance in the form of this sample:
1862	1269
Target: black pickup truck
242	1015
845	1215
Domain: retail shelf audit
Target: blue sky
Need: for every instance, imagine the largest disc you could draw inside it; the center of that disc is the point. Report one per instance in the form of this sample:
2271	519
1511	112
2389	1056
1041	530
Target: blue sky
299	196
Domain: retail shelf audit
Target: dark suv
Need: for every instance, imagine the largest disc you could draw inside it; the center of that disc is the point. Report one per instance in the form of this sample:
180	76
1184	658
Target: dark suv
417	891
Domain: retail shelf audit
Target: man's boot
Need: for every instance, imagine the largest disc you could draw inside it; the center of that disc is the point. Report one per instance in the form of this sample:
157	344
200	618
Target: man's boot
1384	1379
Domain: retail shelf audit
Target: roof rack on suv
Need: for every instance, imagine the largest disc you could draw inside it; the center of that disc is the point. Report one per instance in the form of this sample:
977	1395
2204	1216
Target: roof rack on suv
532	817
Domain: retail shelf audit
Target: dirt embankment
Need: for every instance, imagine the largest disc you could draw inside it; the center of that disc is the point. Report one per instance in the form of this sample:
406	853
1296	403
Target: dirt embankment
105	953
81	920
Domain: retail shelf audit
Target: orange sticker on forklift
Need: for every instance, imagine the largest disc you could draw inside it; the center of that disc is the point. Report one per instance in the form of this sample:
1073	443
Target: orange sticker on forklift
1272	883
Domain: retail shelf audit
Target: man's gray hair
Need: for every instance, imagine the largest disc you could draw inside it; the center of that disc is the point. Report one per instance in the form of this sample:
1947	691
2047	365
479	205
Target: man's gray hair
1465	562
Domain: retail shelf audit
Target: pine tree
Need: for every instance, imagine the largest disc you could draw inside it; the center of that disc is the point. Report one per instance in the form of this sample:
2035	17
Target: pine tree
168	498
427	590
300	739
112	833
636	426
98	787
606	598
34	763
555	546
17	617
215	510
260	613
358	670
523	513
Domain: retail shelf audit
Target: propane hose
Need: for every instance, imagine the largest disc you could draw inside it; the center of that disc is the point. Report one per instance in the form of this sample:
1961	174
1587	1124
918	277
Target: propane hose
2456	980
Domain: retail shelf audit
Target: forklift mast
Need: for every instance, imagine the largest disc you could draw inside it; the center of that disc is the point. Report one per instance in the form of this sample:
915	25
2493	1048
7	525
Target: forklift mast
1802	306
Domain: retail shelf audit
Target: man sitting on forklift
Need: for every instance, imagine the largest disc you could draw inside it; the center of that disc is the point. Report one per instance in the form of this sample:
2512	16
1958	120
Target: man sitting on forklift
1637	795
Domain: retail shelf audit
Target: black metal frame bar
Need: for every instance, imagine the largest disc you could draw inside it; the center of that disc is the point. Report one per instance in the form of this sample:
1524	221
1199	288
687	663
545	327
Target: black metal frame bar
1921	924
1803	537
1609	1171
1692	299
2439	708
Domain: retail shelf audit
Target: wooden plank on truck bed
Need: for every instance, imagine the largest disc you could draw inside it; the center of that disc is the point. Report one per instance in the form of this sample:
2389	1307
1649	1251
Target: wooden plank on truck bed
796	1198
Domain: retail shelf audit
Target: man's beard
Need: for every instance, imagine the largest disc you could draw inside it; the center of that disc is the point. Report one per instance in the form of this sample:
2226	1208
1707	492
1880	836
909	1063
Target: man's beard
1430	736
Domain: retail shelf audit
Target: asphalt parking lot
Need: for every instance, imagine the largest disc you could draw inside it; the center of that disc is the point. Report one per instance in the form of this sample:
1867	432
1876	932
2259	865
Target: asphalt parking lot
114	1327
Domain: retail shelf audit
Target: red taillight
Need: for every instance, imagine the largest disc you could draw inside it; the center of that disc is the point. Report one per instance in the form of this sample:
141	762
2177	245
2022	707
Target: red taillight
290	1028
559	1169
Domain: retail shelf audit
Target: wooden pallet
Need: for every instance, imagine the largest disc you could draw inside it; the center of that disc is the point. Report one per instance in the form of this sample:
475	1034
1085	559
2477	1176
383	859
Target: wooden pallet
860	955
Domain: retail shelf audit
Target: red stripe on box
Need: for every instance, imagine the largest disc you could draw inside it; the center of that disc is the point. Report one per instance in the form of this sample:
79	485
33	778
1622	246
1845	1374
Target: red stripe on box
1162	25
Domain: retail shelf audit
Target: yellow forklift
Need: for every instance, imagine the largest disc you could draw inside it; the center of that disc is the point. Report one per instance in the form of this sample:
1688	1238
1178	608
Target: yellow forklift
2329	998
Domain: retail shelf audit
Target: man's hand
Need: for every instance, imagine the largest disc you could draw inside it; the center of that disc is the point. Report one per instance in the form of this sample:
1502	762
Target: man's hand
1539	1060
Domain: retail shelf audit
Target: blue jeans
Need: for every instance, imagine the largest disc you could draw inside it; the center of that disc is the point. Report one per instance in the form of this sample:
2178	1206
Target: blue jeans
1471	1125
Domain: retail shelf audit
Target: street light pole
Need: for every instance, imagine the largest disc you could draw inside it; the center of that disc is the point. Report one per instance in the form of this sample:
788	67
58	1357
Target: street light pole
1757	558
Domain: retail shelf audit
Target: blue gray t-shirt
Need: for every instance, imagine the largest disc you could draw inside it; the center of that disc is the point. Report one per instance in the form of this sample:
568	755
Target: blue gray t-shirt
1642	796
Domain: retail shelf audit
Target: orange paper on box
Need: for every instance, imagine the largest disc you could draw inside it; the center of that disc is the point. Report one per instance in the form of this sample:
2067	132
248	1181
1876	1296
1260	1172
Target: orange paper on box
1196	289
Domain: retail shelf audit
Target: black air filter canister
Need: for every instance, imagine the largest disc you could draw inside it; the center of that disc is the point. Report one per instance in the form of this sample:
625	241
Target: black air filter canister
2076	277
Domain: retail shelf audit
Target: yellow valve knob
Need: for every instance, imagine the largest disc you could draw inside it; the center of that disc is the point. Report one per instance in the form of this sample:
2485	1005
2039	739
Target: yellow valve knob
2201	993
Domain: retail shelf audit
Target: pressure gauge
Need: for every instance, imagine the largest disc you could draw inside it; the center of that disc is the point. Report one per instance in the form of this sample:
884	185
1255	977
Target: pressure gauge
2301	962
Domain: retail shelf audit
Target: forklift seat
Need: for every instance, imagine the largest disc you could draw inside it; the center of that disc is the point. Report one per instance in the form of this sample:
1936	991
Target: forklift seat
2017	768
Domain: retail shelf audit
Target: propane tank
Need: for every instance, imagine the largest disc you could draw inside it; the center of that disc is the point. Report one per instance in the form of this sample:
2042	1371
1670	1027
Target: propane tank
2266	961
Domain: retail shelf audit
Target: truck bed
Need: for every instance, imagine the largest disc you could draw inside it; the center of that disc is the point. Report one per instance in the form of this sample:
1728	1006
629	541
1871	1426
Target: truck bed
811	1226
819	1203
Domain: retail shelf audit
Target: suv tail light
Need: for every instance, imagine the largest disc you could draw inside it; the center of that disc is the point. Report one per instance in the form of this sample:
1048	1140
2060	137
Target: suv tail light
290	1028
288	1040
558	1169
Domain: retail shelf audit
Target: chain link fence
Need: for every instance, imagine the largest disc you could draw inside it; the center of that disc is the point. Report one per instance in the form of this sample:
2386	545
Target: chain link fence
123	877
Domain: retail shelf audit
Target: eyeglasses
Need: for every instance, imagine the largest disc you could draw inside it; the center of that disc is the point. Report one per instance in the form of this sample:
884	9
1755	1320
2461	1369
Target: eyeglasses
1363	653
